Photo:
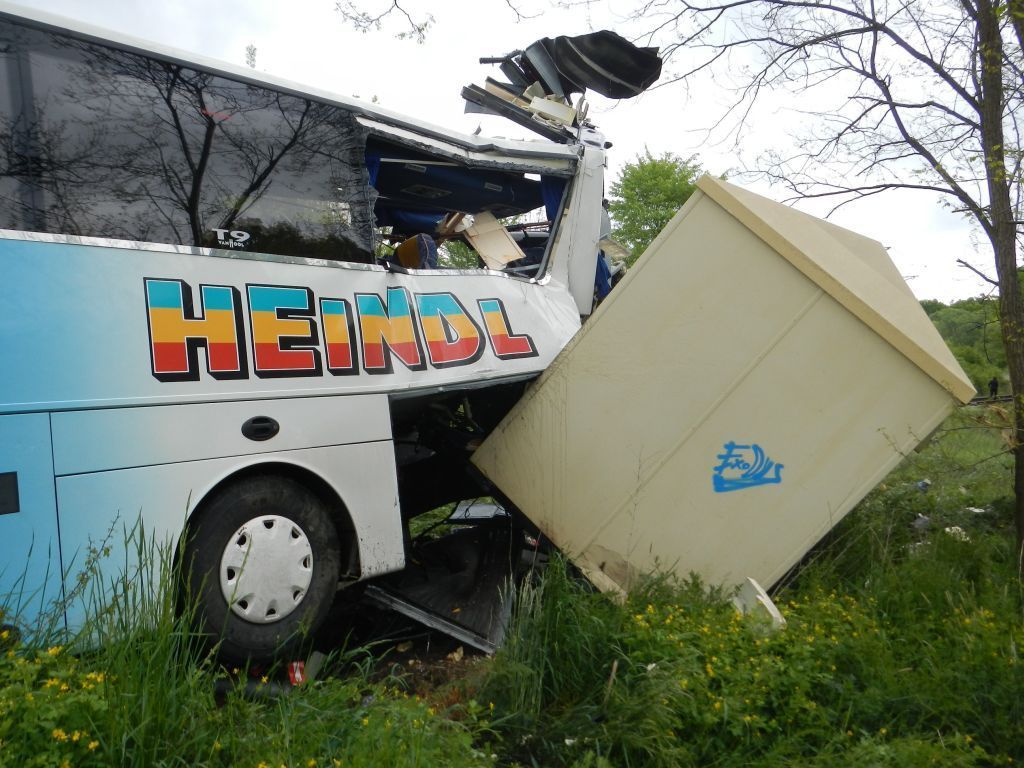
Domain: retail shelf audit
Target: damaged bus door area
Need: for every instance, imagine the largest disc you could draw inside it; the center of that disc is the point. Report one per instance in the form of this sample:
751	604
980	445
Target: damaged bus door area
462	583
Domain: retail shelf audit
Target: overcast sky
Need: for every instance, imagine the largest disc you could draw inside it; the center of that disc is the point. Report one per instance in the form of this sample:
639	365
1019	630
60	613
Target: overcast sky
308	41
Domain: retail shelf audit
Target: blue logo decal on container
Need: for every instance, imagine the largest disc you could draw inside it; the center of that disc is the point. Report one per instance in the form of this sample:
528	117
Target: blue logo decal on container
744	466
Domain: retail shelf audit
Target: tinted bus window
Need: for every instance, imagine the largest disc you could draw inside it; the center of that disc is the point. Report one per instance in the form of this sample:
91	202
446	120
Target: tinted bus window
104	143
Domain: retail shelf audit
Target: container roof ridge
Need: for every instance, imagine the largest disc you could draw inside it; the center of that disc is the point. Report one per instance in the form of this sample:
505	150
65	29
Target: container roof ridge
854	270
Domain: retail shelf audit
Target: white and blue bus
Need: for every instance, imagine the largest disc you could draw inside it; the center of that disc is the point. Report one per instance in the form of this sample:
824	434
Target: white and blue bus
209	321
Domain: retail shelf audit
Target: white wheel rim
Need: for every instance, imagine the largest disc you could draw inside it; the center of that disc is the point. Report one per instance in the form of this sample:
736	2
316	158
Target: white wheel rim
266	569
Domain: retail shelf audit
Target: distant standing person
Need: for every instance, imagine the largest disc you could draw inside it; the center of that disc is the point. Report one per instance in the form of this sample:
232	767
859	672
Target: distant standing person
993	388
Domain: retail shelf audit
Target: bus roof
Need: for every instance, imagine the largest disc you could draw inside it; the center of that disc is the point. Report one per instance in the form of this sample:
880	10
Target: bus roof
536	155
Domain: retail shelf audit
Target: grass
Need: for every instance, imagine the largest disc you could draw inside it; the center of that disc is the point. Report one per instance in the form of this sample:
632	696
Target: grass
901	645
901	649
136	687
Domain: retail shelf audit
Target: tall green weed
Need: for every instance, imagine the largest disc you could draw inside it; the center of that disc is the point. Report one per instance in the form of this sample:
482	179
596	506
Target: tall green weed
136	687
901	644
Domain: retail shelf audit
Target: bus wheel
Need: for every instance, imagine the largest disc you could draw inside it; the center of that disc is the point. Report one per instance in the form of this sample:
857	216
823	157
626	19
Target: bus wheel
263	560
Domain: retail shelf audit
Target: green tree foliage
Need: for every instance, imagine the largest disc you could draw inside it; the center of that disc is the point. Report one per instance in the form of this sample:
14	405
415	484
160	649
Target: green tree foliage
971	329
455	254
647	194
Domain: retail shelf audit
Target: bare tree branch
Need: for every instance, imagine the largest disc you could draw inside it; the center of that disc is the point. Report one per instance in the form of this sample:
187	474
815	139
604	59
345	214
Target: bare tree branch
978	272
365	21
414	27
921	94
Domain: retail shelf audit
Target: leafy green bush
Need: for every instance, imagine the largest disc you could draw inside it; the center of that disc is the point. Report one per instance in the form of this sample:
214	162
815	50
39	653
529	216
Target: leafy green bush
49	704
657	681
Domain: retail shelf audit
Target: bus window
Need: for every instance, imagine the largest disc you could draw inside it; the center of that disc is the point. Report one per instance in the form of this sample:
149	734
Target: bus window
107	143
479	217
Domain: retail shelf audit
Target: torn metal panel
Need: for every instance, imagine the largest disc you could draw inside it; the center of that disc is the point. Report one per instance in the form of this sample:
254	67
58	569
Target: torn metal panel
523	117
527	157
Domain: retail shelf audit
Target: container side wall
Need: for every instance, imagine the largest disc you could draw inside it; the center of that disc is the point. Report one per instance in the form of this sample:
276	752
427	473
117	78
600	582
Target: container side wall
718	414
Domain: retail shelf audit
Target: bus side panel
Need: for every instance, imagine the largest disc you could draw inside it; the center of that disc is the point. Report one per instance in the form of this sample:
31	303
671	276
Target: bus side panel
120	438
89	327
30	563
162	497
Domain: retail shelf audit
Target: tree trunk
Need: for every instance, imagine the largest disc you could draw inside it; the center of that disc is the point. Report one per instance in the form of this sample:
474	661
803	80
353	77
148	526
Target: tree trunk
1001	229
1011	307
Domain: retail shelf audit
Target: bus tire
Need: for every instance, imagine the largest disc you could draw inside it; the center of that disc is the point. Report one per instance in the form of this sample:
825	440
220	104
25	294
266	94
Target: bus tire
262	562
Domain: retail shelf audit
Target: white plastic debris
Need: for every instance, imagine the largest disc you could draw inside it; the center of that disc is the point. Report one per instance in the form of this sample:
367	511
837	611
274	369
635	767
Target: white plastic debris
751	599
957	533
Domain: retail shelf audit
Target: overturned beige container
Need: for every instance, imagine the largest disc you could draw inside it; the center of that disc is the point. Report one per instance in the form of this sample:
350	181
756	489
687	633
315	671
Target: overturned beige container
750	380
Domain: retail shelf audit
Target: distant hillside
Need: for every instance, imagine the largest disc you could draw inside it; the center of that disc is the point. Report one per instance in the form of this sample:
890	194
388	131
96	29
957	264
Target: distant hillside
971	329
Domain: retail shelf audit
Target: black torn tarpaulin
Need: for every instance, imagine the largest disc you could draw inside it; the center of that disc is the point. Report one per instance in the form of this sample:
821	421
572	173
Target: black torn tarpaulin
603	61
556	67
